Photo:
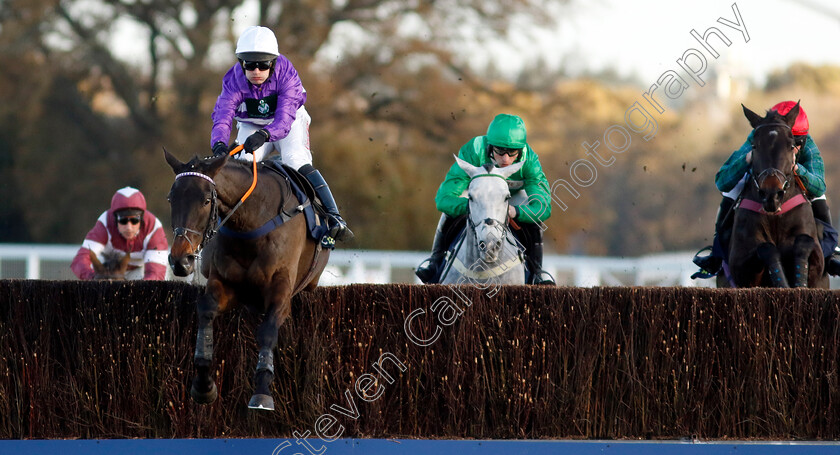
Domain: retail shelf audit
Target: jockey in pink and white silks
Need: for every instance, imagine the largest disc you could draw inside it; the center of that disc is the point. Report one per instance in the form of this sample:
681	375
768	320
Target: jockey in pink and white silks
126	227
263	93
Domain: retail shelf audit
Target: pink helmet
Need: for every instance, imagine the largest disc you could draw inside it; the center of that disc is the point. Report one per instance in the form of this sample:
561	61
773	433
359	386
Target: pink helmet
800	127
128	198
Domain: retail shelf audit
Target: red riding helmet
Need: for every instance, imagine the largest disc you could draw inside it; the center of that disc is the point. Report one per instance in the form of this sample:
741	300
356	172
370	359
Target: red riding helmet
800	127
128	198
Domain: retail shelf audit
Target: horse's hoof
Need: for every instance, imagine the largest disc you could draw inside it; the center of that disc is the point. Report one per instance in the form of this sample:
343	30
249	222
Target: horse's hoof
204	397
262	402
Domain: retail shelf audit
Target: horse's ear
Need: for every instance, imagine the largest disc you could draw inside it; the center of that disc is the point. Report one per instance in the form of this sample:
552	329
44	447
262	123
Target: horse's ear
94	261
468	168
507	171
124	261
754	118
172	161
790	117
214	164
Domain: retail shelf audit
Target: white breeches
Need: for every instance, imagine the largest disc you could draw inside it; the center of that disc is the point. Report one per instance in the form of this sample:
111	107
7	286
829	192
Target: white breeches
294	148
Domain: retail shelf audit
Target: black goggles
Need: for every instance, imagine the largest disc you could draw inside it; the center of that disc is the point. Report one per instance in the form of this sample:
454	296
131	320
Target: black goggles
128	219
505	151
251	66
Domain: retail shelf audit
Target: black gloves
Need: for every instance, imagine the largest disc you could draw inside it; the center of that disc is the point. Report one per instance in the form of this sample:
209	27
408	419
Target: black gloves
256	140
220	148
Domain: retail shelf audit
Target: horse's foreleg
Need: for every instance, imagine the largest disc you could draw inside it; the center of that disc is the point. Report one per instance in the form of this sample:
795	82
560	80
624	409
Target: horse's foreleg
266	338
769	254
203	389
803	248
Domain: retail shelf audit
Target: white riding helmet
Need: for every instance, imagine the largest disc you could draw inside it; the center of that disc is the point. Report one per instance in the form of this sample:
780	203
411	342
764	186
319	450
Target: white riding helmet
257	44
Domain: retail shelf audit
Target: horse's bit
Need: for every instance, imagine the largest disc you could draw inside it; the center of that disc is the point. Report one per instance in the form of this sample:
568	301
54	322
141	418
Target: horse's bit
489	222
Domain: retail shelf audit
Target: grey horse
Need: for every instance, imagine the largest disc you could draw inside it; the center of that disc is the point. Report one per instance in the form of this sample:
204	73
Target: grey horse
488	253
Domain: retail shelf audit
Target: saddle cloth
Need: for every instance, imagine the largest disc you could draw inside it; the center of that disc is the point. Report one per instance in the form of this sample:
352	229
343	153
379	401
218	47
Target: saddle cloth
316	220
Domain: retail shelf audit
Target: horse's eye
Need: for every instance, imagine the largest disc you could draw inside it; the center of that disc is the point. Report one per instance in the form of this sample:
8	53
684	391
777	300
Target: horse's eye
207	201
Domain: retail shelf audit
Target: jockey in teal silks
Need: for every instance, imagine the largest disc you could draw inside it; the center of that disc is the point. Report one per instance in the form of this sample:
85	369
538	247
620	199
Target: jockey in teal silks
265	96
504	144
732	176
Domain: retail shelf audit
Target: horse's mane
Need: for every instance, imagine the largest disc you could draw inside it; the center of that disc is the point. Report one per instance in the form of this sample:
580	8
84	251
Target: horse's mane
113	256
197	161
488	167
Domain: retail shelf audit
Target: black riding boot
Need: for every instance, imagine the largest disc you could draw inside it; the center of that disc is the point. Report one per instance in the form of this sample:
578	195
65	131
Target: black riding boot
822	213
338	228
531	237
430	272
723	232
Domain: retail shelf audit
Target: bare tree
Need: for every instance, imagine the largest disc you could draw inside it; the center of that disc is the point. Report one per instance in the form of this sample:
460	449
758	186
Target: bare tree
399	82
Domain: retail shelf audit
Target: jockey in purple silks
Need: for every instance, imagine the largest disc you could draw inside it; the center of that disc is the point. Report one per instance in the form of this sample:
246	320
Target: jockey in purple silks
265	96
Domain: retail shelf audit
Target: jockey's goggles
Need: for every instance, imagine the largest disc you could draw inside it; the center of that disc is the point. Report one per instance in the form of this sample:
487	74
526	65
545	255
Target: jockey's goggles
128	219
505	151
251	66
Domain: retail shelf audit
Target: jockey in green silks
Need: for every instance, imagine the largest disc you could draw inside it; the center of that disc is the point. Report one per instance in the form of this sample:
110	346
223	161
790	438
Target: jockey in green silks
504	144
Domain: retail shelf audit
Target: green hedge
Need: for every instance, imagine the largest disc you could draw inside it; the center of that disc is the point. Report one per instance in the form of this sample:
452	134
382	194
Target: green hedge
114	360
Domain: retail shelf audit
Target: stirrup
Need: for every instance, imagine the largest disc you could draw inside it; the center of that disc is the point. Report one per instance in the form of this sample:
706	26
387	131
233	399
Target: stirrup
542	277
339	229
698	260
702	262
429	273
832	265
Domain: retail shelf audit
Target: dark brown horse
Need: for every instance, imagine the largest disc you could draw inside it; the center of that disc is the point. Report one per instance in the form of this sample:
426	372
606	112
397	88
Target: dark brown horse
113	267
262	272
775	240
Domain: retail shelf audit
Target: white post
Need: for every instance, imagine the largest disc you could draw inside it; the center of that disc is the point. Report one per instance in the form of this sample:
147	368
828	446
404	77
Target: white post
33	266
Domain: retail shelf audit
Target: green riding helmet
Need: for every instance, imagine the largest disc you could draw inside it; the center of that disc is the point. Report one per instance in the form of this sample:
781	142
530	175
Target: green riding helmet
507	131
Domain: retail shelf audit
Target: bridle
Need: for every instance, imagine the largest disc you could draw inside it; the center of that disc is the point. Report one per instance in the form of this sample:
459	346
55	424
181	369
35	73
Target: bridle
212	225
488	221
771	171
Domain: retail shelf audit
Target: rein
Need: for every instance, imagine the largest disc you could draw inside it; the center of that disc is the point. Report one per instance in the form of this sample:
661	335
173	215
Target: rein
213	224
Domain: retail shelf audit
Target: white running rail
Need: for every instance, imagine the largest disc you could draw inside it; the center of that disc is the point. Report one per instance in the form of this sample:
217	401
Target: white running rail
52	262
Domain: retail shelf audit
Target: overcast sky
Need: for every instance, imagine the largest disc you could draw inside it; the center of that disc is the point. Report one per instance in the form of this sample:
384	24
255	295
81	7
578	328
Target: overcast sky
640	38
645	37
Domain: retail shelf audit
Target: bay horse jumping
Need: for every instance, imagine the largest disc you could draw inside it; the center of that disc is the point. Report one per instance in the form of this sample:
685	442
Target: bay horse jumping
251	261
775	240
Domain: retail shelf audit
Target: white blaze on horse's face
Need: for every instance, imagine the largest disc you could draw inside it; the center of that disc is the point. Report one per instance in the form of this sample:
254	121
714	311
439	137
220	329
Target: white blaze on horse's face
488	195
